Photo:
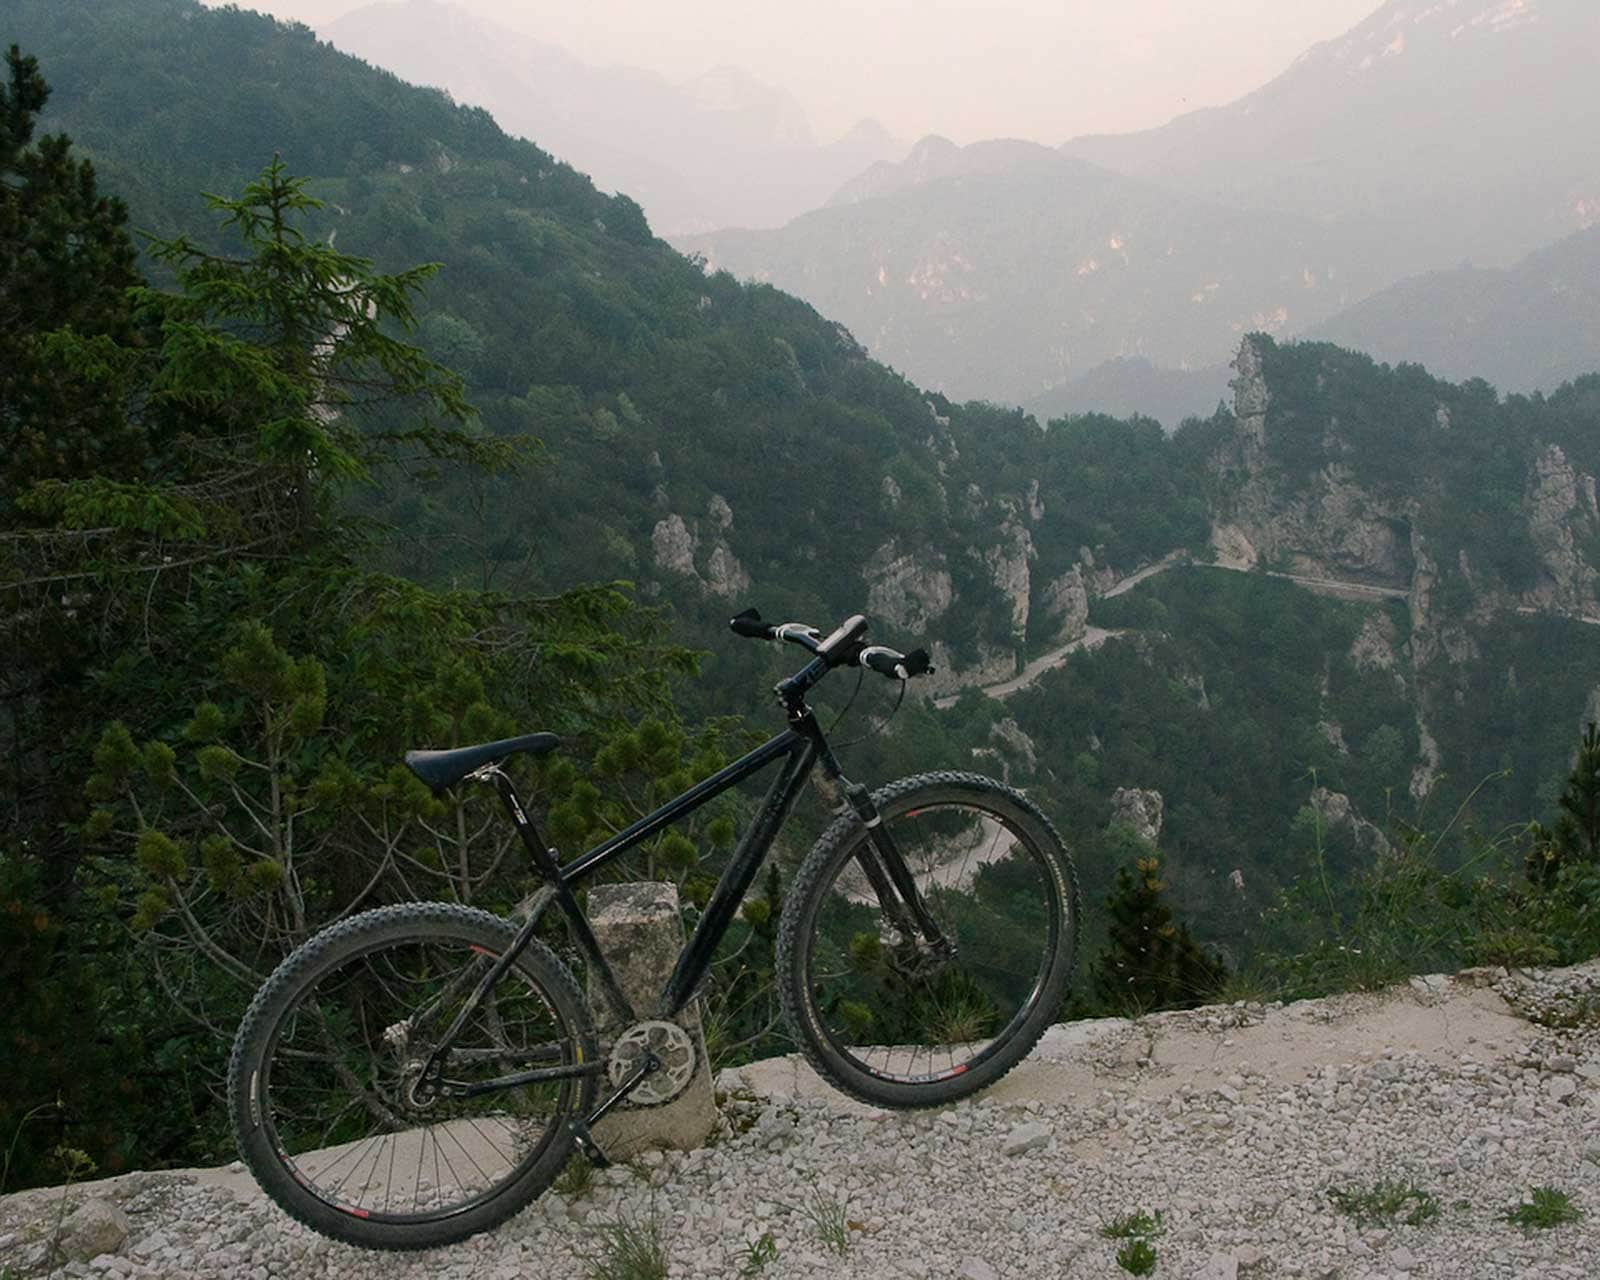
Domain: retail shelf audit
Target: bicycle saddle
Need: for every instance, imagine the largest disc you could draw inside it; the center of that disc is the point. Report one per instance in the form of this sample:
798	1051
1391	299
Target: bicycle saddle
441	769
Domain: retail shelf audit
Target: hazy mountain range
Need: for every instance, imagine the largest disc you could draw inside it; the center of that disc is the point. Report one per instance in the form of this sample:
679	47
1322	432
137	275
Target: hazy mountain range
1528	327
1431	133
1004	269
723	149
1463	128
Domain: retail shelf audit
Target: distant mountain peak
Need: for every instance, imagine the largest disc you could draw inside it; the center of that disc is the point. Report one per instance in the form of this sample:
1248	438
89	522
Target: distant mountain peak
1470	128
934	158
1403	25
931	149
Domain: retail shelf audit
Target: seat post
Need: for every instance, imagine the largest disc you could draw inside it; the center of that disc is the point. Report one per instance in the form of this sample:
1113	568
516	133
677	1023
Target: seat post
544	857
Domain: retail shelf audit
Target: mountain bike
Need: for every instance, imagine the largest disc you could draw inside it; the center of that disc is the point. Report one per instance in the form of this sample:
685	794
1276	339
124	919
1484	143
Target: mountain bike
418	1073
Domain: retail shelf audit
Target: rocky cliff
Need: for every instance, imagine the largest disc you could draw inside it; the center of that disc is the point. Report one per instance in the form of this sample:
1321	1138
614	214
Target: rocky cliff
1330	525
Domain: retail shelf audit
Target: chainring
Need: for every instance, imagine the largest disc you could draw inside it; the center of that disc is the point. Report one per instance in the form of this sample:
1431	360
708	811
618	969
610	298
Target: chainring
674	1050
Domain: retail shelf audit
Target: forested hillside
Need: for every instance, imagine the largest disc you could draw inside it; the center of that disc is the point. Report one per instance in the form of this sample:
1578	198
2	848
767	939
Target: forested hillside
257	537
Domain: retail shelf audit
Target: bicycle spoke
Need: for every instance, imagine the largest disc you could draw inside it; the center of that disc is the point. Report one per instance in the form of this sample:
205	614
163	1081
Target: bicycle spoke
342	1092
898	1006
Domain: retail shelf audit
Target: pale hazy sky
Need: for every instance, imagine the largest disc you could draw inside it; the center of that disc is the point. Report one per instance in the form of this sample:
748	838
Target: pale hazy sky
968	69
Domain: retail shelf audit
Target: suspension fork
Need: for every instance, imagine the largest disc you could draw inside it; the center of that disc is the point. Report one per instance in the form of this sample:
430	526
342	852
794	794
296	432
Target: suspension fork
879	858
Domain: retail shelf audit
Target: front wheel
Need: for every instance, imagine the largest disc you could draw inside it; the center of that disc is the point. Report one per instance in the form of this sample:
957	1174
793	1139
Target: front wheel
328	1097
881	1013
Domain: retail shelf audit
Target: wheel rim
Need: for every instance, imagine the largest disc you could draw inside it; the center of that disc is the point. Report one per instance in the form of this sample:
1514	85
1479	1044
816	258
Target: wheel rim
897	1014
336	1095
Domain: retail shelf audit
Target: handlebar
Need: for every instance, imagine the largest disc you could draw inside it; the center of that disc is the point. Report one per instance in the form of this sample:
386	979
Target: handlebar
842	648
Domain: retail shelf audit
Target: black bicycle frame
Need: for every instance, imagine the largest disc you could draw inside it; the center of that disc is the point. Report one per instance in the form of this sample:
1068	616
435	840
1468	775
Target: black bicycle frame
799	751
800	747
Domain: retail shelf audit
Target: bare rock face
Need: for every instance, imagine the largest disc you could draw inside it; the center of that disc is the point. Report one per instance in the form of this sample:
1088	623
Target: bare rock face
1010	732
1328	528
1066	601
1431	637
1250	399
1338	814
673	545
1333	528
1333	731
1561	509
1008	563
1374	649
907	590
1232	547
1427	771
1139	809
992	667
96	1227
1035	505
724	574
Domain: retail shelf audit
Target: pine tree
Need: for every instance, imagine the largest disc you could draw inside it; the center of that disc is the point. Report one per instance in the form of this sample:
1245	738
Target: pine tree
66	263
1576	834
1151	961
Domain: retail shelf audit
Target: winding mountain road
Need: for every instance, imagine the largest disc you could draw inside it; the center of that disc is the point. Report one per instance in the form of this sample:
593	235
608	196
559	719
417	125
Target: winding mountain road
1094	637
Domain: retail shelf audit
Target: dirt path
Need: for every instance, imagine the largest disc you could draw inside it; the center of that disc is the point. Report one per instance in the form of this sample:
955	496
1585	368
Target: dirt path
1153	1057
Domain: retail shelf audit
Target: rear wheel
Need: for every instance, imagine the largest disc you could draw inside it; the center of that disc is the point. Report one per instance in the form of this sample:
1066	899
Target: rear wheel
324	1079
878	1011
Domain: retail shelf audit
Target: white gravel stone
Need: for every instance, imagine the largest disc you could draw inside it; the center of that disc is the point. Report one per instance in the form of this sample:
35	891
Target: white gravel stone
1026	1137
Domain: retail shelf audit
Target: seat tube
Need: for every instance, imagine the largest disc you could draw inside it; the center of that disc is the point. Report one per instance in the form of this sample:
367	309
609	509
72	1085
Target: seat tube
549	868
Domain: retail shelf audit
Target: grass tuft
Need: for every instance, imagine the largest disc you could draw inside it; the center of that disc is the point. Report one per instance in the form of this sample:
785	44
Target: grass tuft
1138	1225
1137	1256
1548	1207
628	1249
576	1179
827	1215
1388	1200
757	1255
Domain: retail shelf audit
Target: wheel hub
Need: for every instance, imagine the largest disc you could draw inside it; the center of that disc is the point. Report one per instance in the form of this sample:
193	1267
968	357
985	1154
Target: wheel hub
673	1051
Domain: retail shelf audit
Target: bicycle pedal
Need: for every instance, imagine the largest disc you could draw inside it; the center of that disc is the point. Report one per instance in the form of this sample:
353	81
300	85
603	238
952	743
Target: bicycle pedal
586	1145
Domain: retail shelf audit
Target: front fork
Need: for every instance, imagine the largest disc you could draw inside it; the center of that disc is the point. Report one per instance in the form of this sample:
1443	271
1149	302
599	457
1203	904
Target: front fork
879	858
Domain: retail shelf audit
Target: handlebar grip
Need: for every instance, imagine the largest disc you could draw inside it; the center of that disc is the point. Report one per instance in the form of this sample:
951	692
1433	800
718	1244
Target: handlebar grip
748	623
897	666
884	661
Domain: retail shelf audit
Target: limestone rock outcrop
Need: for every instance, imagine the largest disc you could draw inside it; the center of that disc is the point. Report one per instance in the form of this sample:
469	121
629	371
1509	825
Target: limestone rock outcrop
1140	810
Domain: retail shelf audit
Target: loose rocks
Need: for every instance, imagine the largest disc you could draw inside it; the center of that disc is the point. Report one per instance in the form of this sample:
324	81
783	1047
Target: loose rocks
1237	1147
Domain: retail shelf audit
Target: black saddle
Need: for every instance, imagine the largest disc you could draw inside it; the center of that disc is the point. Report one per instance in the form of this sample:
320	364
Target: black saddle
441	769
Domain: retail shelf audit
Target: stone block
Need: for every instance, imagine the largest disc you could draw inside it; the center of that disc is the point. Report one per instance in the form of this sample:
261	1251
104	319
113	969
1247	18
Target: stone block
96	1227
641	933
